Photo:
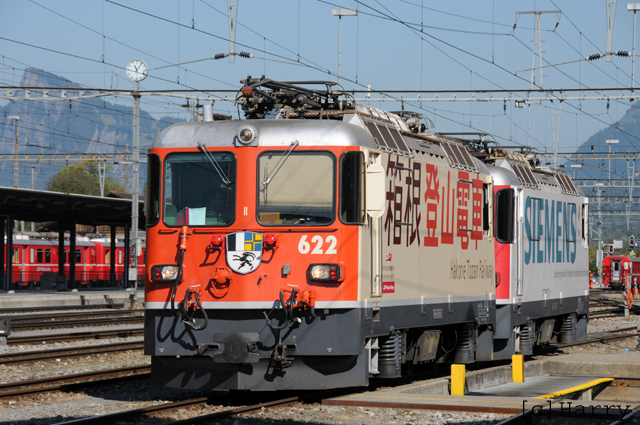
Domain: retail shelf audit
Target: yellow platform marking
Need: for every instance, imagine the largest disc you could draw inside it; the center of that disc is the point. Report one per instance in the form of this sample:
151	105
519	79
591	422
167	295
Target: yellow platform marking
457	379
576	389
517	368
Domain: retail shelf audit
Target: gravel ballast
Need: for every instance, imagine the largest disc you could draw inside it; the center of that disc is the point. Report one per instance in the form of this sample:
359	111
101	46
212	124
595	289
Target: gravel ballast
58	407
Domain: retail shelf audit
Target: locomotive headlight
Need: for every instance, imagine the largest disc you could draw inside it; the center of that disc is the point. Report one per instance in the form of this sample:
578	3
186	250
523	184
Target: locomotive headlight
164	273
325	272
247	135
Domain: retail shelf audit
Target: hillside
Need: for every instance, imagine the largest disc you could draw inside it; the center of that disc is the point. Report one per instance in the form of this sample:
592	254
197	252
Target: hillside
626	131
64	127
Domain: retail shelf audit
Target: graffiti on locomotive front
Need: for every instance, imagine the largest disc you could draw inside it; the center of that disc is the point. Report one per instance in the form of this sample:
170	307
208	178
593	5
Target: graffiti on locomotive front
550	228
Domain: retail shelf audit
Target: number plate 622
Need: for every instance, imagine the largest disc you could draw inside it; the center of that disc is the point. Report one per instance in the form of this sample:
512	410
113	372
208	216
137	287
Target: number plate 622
318	245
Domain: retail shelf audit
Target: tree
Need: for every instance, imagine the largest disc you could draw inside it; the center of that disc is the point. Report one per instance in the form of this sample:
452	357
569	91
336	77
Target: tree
82	179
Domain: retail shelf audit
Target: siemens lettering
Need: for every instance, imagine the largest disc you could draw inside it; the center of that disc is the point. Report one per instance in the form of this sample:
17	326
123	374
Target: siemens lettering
551	231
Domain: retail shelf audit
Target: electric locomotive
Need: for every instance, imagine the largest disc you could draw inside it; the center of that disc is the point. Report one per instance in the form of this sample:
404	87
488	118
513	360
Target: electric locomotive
333	244
541	251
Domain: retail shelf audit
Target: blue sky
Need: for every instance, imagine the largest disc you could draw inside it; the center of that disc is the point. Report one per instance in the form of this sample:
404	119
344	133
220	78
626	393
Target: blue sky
390	45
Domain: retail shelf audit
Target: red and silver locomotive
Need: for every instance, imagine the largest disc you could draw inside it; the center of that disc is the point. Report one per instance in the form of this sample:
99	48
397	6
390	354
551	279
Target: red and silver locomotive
338	242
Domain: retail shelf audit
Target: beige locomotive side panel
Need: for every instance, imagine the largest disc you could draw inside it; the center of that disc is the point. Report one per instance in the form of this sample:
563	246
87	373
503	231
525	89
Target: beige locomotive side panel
435	243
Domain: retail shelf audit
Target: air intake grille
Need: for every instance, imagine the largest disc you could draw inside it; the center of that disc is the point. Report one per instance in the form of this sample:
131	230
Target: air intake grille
459	157
566	184
524	174
387	138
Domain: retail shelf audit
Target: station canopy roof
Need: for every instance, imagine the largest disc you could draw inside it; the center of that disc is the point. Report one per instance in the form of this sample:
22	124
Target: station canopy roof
43	206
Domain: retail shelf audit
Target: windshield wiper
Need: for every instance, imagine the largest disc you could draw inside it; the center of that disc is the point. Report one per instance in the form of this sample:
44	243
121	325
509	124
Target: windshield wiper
283	158
212	160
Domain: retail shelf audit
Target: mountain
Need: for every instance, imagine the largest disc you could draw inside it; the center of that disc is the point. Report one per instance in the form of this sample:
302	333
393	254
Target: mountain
89	126
609	222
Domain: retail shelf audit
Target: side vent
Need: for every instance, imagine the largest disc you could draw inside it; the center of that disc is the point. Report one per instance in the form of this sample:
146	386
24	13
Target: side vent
527	334
390	356
465	348
568	330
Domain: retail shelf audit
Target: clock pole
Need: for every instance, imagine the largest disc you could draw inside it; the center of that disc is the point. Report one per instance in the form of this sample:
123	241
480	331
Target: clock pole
137	71
135	189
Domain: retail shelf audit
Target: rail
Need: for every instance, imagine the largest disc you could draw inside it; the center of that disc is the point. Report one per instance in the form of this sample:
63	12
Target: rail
56	383
42	339
34	356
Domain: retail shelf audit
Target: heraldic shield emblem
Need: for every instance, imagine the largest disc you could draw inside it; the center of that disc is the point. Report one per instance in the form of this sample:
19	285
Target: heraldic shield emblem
244	251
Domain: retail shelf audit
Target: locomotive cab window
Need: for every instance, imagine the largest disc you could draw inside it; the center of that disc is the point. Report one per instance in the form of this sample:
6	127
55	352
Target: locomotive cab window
505	215
352	188
199	190
486	207
296	190
585	224
152	190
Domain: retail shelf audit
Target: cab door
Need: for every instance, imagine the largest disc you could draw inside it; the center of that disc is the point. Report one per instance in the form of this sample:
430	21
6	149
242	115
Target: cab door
615	271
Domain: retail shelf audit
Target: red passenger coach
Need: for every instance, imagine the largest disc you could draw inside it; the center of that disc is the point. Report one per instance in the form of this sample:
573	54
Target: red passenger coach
35	262
102	261
616	268
339	242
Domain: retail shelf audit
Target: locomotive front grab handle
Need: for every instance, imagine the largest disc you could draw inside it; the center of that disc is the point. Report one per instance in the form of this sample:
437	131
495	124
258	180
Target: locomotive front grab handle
187	316
286	315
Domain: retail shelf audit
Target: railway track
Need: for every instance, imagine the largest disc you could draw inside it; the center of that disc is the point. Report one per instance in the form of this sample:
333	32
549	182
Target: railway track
34	356
226	413
603	337
73	336
74	319
24	318
57	383
50	384
616	312
18	310
59	324
131	415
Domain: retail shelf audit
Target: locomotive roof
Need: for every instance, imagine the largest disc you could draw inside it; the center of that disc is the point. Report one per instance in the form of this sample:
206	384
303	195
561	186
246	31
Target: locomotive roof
271	132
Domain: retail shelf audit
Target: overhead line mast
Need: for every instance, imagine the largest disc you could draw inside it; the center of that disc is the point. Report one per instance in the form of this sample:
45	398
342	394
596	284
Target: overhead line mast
537	46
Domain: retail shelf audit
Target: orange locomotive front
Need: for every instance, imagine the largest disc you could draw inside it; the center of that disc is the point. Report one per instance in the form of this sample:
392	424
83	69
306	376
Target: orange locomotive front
249	254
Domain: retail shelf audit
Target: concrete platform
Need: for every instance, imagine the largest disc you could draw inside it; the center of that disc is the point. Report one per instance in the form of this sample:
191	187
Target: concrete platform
40	299
491	390
613	365
537	386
